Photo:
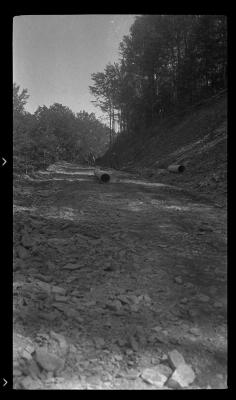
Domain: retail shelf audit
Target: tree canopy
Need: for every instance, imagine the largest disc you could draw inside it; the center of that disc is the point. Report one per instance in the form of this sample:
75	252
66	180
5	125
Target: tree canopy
53	133
167	62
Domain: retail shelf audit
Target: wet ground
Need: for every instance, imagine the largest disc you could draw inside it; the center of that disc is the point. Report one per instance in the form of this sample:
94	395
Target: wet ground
110	278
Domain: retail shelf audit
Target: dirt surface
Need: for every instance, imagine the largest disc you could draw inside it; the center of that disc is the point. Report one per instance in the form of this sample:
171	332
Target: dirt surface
110	278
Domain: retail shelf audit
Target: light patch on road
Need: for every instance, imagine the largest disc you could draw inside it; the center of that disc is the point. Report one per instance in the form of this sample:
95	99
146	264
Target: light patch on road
66	213
20	208
136	182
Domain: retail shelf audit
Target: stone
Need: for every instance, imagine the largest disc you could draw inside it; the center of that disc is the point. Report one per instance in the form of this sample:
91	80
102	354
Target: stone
154	377
132	374
193	313
175	359
26	241
62	299
218	304
17	372
22	252
121	342
134	343
44	278
60	306
134	307
49	316
118	357
157	328
50	265
58	290
48	361
213	290
25	354
45	287
203	298
189	285
71	266
164	357
78	318
195	331
30	384
173	384
34	370
61	340
142	338
123	298
178	279
147	299
183	375
184	300
99	342
164	369
117	305
76	293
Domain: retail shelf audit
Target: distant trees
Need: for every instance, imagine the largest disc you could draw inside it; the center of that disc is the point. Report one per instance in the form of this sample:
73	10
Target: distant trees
106	92
167	62
53	133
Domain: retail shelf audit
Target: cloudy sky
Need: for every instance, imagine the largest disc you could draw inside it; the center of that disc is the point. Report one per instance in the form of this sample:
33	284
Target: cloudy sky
54	56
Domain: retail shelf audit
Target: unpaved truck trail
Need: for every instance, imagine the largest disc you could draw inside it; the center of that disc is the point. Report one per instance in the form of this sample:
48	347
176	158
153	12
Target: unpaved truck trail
109	279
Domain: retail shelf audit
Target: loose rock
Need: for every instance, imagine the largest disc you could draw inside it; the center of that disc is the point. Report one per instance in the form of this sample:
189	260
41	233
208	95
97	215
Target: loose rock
183	375
195	331
30	384
134	343
48	361
203	298
154	377
178	279
22	252
175	359
71	266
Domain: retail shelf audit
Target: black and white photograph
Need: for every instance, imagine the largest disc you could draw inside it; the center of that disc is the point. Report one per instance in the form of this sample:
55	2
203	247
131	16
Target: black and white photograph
119	201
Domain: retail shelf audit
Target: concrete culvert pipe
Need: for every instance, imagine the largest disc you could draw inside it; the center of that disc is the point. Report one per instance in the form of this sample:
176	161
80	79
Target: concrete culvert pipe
176	168
102	176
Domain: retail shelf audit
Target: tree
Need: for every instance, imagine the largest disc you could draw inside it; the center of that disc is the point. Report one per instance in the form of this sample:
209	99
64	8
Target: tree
19	99
167	62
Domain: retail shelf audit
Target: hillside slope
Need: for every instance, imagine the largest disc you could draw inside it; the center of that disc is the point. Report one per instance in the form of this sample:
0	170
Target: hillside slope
196	138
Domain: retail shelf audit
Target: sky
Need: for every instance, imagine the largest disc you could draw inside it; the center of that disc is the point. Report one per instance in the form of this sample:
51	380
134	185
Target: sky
55	55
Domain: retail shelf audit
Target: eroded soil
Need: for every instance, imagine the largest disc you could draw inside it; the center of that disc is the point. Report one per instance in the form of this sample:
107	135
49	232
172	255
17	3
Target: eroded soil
111	277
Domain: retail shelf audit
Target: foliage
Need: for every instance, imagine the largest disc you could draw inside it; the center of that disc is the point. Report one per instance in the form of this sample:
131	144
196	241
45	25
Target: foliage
53	133
167	62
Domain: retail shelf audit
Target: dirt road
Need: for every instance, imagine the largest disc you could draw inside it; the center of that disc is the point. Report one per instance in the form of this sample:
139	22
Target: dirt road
109	278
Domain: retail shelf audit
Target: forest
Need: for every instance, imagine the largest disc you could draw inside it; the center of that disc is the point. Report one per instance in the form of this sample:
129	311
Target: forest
53	133
166	63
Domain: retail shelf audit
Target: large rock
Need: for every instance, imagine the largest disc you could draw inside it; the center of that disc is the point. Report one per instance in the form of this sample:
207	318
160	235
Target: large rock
48	361
183	375
154	376
164	369
26	241
203	298
175	359
22	252
30	384
58	290
61	340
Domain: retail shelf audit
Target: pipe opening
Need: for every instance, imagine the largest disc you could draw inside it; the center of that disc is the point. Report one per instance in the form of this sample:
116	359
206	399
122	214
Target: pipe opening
105	178
176	168
181	168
